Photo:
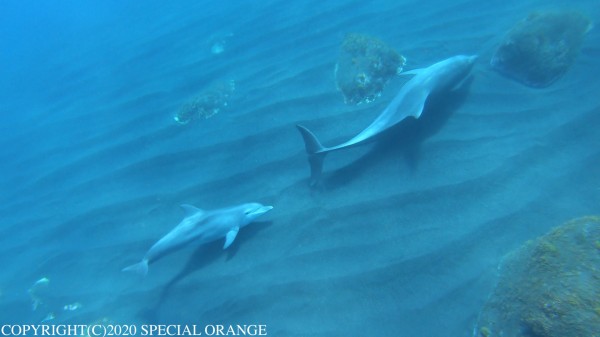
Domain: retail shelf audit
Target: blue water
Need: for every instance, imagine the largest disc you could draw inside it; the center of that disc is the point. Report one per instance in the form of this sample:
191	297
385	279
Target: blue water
404	237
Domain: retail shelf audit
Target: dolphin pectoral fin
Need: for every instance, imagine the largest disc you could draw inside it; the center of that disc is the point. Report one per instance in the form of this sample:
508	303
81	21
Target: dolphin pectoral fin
419	103
419	110
230	236
189	209
140	268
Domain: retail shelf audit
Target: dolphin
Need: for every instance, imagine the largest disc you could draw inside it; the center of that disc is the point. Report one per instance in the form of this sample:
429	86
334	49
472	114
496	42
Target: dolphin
201	226
409	102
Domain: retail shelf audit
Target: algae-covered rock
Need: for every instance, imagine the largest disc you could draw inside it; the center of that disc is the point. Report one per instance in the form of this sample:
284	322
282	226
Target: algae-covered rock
540	49
364	67
207	103
550	287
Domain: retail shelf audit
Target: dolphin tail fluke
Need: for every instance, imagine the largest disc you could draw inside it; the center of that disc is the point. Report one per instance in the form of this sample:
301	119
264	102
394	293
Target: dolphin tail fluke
140	268
316	153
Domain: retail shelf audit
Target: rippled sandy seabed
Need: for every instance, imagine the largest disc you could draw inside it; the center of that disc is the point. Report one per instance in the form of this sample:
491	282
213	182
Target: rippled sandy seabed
403	238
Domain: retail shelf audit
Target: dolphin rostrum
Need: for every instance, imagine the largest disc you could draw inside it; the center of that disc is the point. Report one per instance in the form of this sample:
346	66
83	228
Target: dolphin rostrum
409	102
201	227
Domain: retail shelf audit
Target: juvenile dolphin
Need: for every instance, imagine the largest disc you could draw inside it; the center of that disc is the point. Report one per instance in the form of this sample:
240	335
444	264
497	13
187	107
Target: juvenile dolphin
409	102
201	227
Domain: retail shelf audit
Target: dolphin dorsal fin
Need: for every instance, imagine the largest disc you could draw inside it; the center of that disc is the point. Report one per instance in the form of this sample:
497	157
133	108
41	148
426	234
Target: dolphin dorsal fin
190	210
230	236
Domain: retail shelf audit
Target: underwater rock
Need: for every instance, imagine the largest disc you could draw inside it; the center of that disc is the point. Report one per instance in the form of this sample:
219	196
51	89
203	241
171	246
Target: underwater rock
550	287
364	67
206	104
540	49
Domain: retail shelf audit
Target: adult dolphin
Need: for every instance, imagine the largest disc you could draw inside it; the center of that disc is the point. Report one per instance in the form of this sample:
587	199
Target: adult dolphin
201	227
409	102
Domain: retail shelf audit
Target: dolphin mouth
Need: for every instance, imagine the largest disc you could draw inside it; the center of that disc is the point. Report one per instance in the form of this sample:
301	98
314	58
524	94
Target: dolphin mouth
261	210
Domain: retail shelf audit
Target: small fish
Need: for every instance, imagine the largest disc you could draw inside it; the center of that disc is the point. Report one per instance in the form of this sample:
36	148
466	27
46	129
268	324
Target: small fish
41	282
35	298
48	317
72	307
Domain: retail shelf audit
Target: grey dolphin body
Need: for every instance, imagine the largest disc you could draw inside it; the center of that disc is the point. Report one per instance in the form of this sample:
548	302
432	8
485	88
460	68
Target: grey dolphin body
200	226
409	102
